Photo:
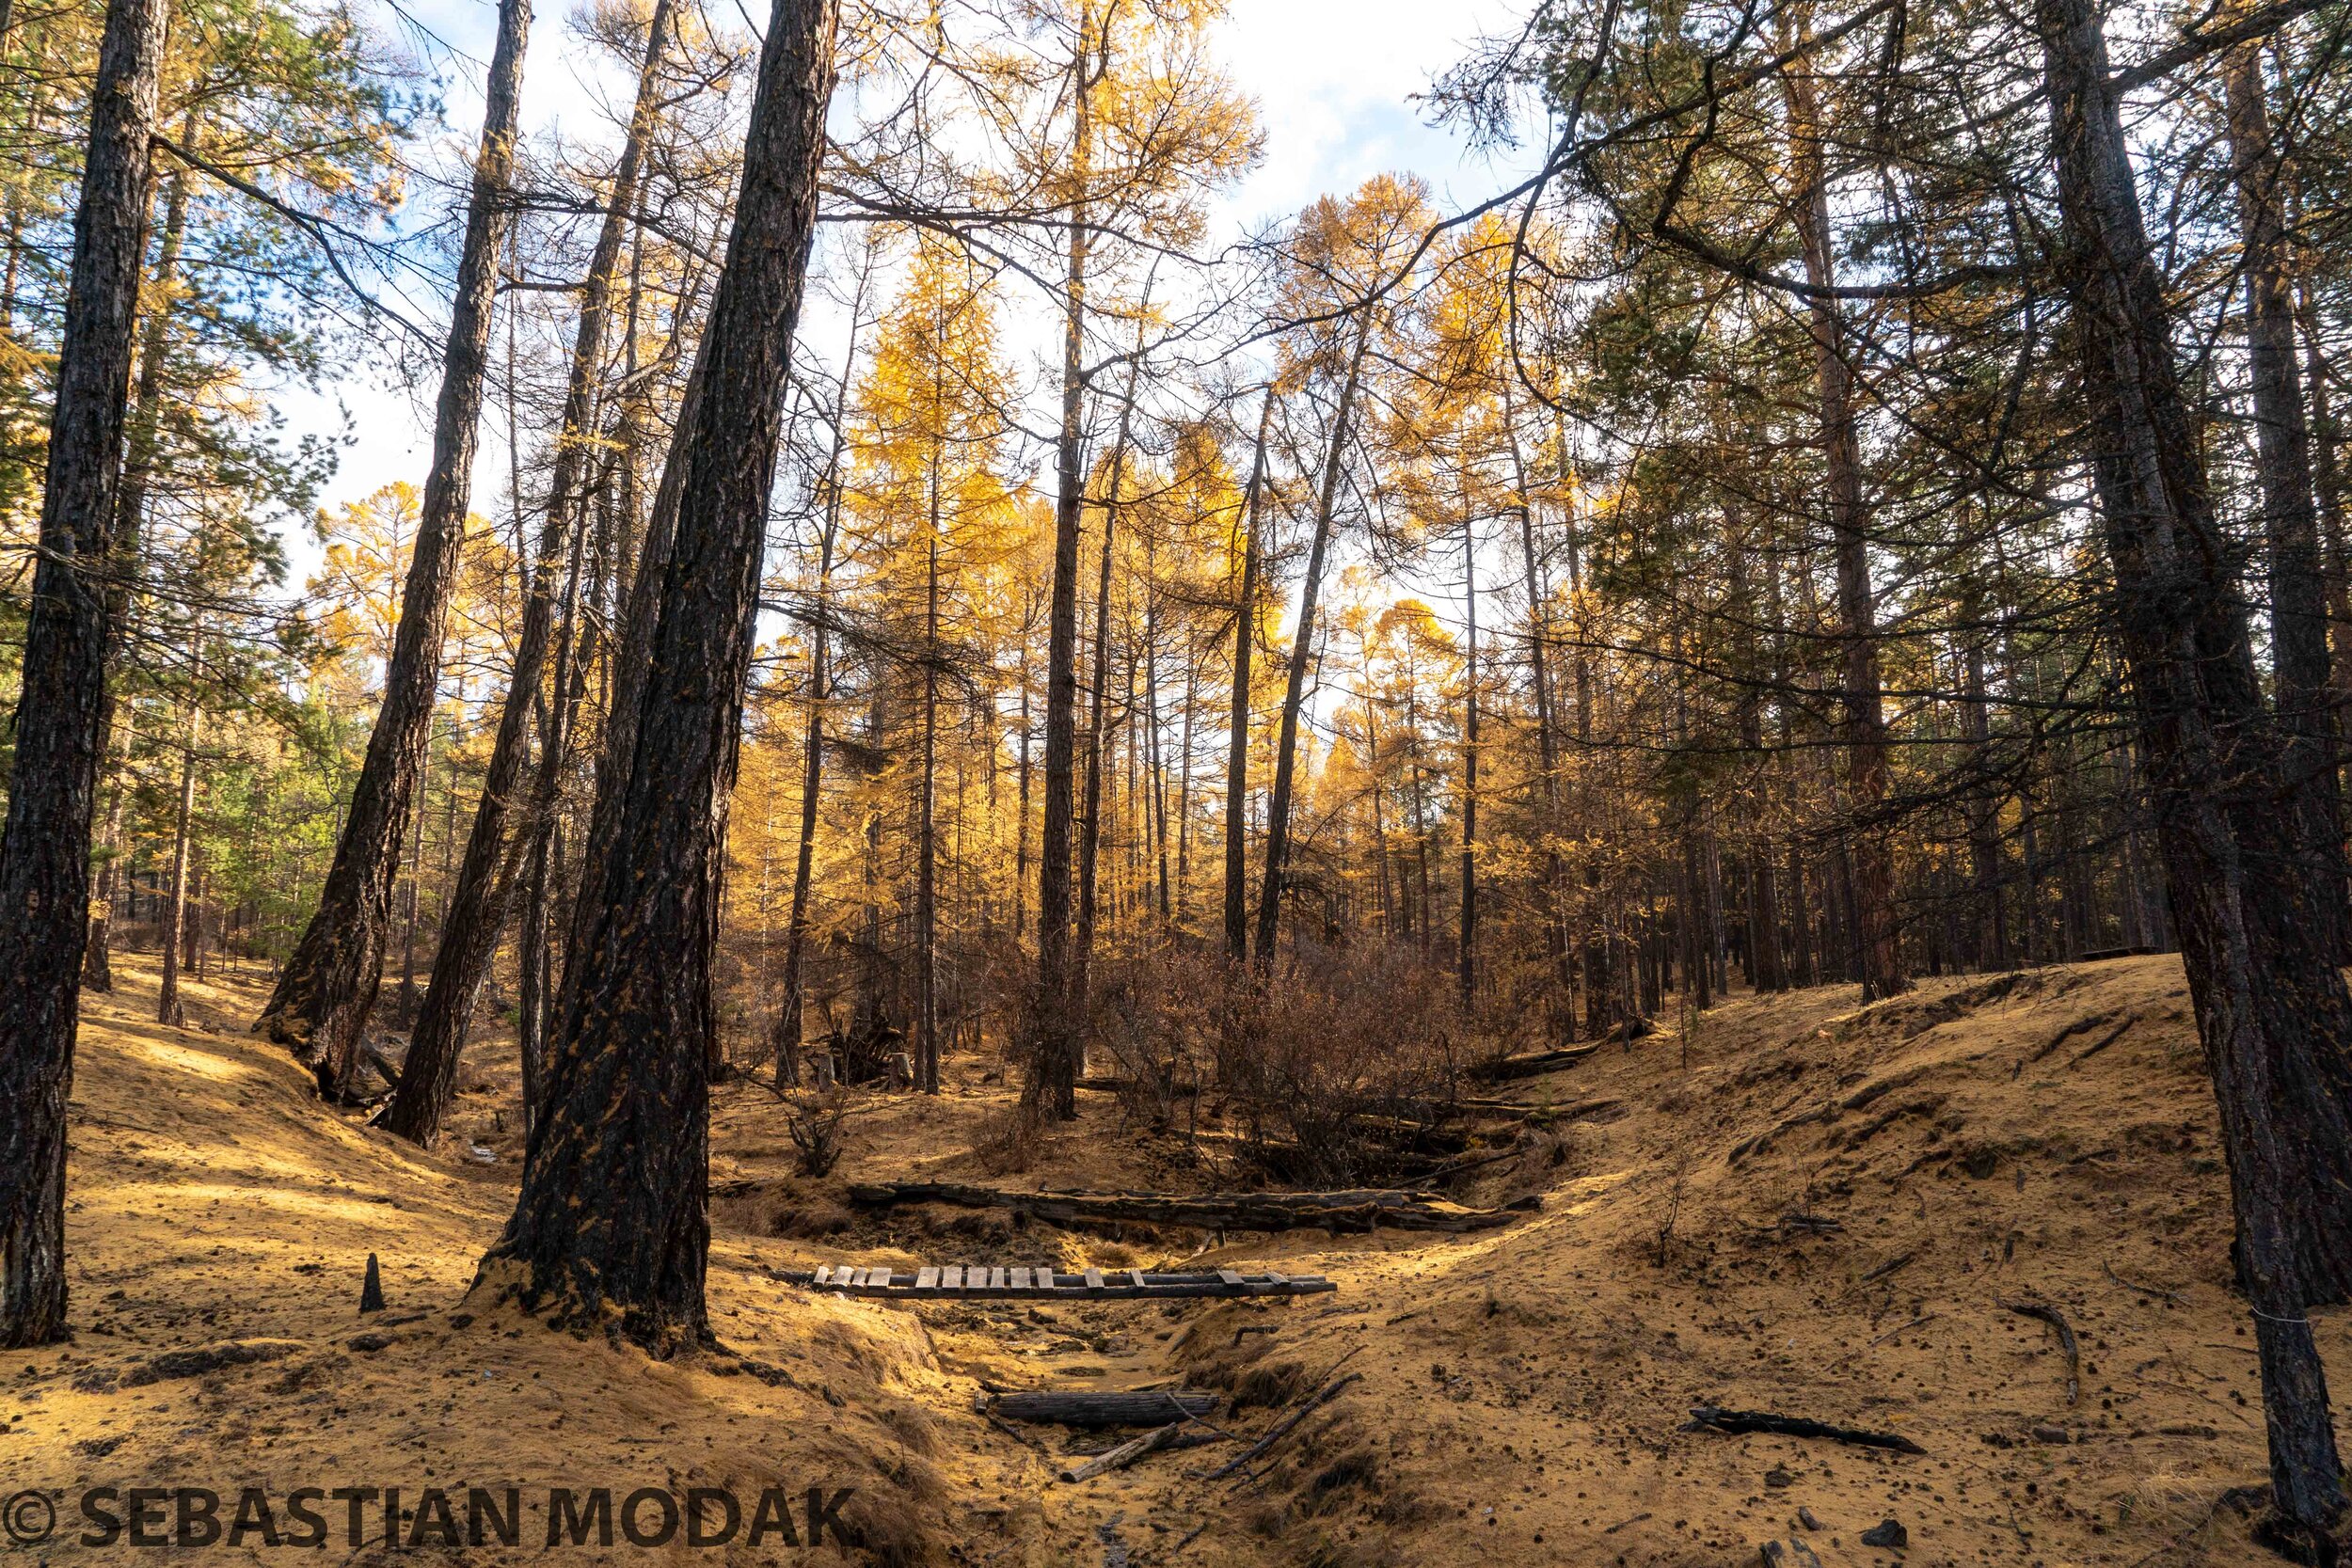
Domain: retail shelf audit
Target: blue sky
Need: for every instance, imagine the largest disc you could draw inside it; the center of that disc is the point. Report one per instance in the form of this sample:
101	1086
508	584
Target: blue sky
1332	79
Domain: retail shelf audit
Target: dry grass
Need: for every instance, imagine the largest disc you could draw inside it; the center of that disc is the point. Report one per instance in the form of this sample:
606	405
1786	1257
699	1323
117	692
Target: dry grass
1904	1168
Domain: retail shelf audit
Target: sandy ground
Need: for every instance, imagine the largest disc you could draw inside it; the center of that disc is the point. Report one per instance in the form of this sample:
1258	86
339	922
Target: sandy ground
1800	1207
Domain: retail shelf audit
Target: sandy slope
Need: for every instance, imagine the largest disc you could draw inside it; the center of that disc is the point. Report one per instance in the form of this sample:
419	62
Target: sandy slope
1803	1207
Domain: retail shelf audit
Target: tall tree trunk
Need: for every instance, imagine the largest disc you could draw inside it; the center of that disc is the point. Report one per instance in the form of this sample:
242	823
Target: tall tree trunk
2270	1001
1184	788
2304	697
1984	842
1155	773
96	961
139	473
927	825
1467	978
790	1016
476	912
60	713
1051	1084
404	1005
173	926
1549	901
1877	936
1021	827
1302	652
630	655
322	997
612	1221
1237	732
1090	819
1766	971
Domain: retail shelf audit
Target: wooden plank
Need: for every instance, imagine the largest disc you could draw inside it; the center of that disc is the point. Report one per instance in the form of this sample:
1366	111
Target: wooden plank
1119	1284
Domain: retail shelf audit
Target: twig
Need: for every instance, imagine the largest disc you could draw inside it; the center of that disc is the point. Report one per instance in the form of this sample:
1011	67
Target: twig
1906	1328
2044	1312
1886	1269
1441	1173
2171	1298
1281	1429
1013	1432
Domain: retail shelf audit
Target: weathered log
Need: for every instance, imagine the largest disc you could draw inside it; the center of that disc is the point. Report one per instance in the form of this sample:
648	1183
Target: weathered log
1708	1417
1104	1407
1176	1434
1533	1063
1521	1110
1098	1085
1365	1209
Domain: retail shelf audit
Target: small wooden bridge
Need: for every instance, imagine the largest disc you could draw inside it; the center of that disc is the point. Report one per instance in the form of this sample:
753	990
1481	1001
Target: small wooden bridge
967	1280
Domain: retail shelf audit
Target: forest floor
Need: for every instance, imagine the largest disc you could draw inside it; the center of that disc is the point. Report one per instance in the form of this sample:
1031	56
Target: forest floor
1803	1207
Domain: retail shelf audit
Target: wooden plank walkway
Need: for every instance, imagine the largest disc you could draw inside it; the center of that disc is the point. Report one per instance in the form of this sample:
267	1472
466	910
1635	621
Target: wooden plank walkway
965	1281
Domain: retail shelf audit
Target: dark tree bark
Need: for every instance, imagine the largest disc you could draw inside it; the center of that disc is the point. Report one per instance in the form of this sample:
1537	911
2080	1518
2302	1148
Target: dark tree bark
328	987
1302	654
1990	923
926	1040
1237	737
1465	979
1050	1085
1550	892
60	713
138	472
478	906
612	1223
790	1015
1090	819
2271	1003
1877	944
174	926
2304	697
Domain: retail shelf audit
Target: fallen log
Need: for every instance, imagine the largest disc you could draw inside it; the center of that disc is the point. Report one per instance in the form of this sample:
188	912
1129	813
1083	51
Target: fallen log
1520	1110
1531	1063
1710	1417
1363	1209
1176	1434
1098	1085
1102	1407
